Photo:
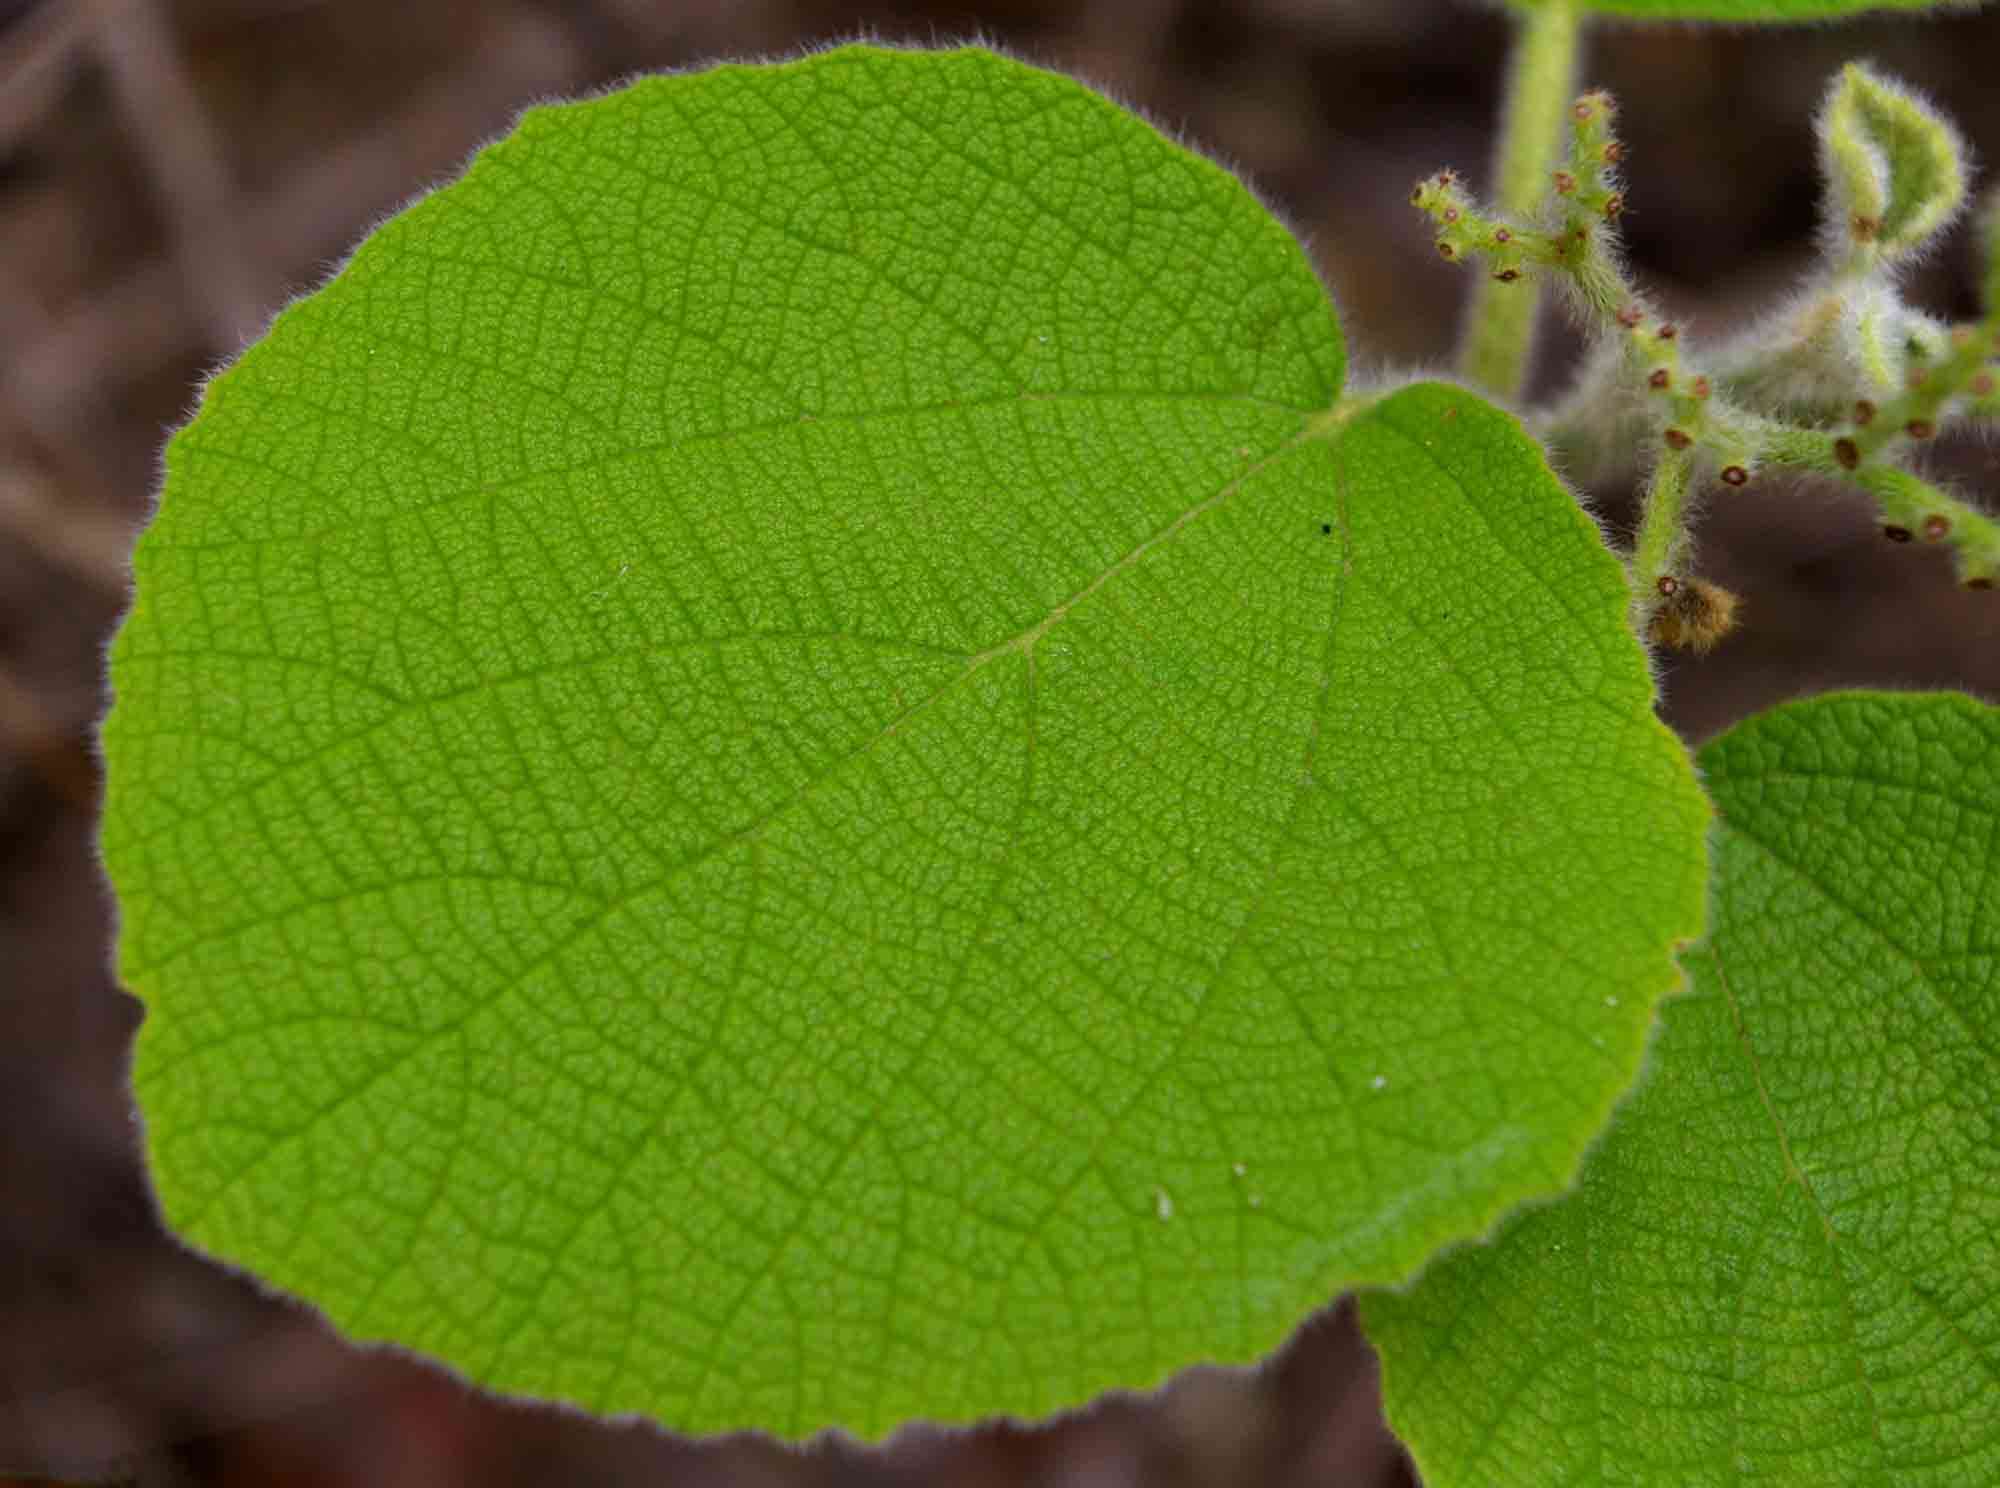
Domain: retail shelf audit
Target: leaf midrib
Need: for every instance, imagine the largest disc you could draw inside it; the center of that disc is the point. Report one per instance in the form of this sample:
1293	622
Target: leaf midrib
1023	642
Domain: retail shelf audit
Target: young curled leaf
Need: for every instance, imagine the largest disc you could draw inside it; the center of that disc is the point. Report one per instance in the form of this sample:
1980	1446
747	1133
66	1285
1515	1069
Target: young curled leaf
1895	169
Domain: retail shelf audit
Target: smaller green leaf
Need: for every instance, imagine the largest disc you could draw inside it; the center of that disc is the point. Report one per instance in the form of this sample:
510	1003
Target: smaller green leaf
1895	168
1783	1263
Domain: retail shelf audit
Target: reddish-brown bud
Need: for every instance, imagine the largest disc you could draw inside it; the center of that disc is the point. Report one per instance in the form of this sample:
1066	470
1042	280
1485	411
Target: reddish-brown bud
1897	534
1630	316
1677	439
1920	428
1668	331
1417	195
1694	615
1507	276
1864	412
1614	204
1865	228
1583	110
1936	527
1982	385
1565	183
1660	379
1501	235
1701	387
1450	214
1614	151
1846	453
1918	377
1735	475
1446	249
1668	586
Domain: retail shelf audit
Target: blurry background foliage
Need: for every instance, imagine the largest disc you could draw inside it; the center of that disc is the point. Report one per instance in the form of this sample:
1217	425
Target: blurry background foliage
171	171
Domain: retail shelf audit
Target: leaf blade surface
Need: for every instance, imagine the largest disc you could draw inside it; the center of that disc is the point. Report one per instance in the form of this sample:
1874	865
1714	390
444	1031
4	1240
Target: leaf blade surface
1779	1266
787	765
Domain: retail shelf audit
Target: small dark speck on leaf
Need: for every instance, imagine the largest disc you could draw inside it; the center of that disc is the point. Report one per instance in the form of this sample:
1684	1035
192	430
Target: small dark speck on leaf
1326	529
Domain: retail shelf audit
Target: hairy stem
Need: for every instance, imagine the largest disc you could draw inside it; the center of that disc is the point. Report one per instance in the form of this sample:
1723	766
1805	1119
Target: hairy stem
1662	539
1541	77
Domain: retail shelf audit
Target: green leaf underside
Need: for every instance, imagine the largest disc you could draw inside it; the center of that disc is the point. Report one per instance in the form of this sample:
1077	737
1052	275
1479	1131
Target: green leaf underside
781	767
1768	12
1783	1264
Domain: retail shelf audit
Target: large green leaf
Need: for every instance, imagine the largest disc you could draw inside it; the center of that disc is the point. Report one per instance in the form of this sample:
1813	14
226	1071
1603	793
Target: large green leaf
789	764
1783	1265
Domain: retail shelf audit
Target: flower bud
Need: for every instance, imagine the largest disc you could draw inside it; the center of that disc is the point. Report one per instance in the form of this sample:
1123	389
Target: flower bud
1694	616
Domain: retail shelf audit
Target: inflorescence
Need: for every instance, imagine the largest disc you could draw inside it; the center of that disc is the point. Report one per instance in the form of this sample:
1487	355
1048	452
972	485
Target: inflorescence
1849	382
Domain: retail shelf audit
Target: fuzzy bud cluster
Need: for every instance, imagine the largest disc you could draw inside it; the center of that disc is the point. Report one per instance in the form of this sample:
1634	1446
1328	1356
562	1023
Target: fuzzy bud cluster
1465	232
1692	614
1582	197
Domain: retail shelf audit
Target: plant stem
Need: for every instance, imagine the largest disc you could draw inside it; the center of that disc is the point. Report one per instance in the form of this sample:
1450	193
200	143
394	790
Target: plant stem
1541	77
1662	539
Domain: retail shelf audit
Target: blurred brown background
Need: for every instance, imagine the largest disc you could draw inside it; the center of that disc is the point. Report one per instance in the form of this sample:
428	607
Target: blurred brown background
172	170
